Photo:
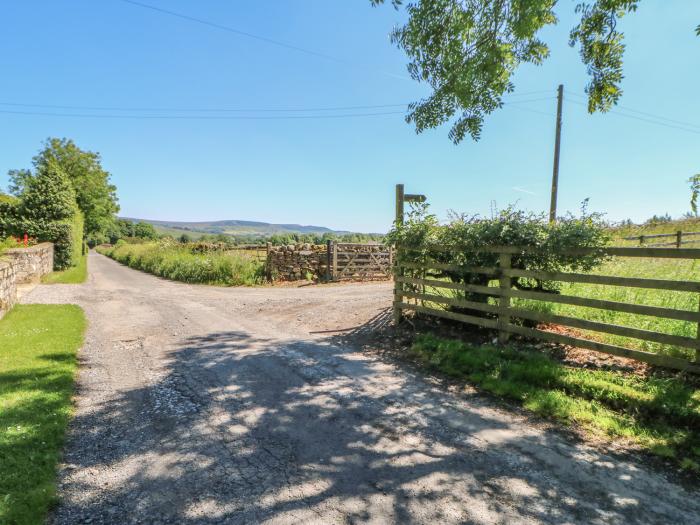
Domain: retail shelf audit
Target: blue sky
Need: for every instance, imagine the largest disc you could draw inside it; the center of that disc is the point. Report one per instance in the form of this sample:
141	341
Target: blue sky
336	172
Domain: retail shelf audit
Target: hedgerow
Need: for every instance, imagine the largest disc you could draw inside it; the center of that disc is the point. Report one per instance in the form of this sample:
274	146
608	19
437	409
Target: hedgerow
173	261
461	242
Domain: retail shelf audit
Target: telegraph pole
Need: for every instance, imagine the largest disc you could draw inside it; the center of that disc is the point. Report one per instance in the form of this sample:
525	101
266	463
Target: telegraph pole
557	146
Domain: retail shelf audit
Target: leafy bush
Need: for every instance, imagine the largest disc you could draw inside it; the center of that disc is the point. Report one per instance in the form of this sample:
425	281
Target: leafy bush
48	211
173	261
462	241
9	242
206	247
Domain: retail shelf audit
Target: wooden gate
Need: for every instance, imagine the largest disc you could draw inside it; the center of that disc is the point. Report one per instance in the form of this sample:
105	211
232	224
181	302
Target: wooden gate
361	262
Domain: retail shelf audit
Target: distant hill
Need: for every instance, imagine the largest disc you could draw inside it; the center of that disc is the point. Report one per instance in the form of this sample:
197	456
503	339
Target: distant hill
234	227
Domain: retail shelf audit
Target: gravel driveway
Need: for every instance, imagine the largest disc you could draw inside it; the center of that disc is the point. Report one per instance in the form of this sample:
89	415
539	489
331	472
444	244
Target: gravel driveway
201	404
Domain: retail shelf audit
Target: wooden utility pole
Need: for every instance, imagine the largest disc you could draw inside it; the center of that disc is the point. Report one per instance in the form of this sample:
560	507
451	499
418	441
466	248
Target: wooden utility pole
557	146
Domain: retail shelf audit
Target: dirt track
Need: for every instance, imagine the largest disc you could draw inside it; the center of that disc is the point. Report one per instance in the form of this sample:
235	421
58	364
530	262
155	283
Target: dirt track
211	405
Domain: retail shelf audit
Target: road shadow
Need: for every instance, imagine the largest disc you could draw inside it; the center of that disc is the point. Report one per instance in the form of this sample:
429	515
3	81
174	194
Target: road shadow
246	430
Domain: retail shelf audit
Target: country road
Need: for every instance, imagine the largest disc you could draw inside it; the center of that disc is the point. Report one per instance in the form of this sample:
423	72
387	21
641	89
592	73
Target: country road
201	404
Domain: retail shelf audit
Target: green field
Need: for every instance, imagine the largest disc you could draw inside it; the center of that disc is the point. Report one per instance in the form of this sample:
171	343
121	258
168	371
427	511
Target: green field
685	225
673	269
38	346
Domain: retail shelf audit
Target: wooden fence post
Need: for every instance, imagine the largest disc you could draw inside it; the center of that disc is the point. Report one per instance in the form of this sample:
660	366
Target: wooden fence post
504	281
398	287
679	238
268	266
334	261
697	334
329	260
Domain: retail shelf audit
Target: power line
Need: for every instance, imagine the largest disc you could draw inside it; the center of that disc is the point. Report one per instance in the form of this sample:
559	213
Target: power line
530	110
232	30
645	113
526	93
199	117
247	34
528	100
228	110
201	110
649	121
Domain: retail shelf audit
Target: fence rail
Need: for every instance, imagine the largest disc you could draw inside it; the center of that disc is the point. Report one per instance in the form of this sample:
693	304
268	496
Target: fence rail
500	316
678	236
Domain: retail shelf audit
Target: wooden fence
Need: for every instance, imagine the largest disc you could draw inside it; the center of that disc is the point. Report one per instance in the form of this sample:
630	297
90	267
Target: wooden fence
358	261
678	239
499	316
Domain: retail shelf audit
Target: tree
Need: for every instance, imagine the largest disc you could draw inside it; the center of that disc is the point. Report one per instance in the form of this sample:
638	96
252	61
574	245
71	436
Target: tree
694	191
47	209
18	181
468	50
145	230
184	238
48	196
95	195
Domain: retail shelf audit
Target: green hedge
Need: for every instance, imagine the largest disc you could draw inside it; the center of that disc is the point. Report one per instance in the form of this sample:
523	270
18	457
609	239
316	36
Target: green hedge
173	261
67	236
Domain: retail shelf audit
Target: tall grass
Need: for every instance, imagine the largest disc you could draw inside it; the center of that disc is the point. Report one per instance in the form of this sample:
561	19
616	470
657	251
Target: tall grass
652	268
688	270
177	263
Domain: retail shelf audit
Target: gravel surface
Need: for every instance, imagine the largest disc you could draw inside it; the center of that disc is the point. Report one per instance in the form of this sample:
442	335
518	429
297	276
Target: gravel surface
201	404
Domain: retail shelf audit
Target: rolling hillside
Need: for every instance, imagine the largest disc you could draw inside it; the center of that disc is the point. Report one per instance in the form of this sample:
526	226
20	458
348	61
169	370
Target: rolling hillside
233	227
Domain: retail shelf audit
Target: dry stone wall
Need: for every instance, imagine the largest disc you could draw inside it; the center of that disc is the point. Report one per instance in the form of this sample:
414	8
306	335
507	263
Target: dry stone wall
297	261
31	263
8	287
19	266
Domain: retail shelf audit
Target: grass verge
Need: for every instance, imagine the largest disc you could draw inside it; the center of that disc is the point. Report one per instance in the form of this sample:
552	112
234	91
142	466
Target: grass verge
176	262
38	346
75	275
660	415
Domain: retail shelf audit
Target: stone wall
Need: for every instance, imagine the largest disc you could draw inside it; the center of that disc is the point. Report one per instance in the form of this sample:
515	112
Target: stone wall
8	287
19	266
296	262
31	263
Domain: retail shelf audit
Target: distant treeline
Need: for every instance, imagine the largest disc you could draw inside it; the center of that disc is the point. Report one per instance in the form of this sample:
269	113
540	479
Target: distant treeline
285	238
133	231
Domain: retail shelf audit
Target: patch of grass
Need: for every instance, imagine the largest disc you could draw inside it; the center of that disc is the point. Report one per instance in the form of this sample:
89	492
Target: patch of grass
75	275
659	415
177	263
38	346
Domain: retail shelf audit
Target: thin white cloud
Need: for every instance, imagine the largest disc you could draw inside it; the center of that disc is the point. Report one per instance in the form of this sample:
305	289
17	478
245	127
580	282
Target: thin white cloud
522	190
